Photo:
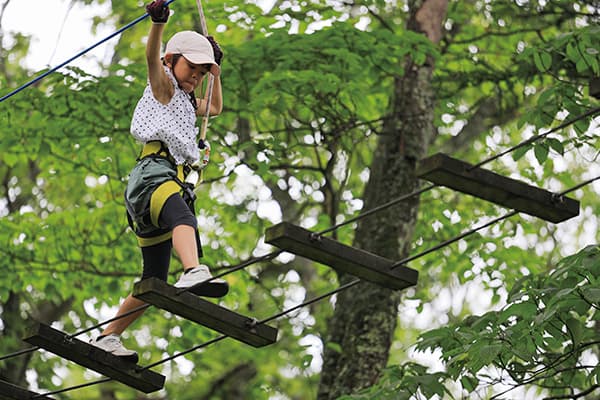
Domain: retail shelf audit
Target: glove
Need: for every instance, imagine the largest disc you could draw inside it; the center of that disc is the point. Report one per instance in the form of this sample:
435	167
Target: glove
158	11
216	49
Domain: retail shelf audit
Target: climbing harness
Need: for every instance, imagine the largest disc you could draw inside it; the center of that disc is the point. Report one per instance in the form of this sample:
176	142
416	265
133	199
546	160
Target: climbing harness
154	179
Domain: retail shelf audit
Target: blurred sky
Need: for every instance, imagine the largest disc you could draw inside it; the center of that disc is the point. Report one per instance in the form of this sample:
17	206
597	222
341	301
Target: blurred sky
59	31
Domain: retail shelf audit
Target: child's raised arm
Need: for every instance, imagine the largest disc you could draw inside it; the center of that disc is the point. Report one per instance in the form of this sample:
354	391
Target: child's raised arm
216	103
162	88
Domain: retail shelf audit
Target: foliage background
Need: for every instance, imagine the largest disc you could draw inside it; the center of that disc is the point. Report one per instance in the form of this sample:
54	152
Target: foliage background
304	105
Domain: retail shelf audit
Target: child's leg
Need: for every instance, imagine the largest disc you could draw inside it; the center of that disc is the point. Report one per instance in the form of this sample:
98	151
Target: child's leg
118	326
156	264
184	242
177	216
180	217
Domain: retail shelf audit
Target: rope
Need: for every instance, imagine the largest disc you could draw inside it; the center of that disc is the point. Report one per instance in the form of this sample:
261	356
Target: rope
334	227
535	138
276	253
45	74
330	293
378	208
529	141
209	89
454	239
195	177
18	353
68	389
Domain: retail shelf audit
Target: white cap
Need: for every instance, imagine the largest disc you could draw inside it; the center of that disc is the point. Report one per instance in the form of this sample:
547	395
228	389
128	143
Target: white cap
195	48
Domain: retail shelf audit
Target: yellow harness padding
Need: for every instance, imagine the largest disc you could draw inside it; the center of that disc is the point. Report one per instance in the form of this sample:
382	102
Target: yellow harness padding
155	147
151	241
159	198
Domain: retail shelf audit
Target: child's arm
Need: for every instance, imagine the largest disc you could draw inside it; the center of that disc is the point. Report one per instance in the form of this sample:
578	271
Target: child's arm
216	101
162	88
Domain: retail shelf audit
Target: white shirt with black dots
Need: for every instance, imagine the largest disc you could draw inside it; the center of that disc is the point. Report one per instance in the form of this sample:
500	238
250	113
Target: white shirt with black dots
174	124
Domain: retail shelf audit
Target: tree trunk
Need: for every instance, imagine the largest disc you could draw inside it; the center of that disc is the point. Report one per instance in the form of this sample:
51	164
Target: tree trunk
15	328
364	320
233	384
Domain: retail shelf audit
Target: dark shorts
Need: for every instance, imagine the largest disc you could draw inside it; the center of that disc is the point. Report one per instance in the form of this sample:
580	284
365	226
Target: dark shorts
156	257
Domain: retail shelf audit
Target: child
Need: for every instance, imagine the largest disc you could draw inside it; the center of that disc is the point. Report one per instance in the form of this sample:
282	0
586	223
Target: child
159	202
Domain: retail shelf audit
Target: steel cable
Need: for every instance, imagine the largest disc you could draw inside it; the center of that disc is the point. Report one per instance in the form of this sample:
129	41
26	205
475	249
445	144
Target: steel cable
81	53
330	293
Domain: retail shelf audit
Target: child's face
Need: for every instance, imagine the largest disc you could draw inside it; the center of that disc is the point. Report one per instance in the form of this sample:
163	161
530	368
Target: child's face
188	75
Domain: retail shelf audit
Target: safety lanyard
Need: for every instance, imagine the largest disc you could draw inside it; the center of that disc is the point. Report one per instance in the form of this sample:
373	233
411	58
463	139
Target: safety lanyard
195	177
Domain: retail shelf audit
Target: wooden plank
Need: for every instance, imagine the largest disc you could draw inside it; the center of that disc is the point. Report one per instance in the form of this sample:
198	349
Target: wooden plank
510	193
196	309
362	264
595	87
94	358
8	391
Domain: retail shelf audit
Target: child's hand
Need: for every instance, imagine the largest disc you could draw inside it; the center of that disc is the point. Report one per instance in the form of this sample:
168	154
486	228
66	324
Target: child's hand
217	50
158	11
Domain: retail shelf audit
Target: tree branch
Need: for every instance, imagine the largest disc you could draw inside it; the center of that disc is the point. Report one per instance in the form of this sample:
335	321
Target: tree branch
574	396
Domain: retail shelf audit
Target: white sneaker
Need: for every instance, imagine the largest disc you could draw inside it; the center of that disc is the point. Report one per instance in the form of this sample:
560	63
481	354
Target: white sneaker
195	276
112	344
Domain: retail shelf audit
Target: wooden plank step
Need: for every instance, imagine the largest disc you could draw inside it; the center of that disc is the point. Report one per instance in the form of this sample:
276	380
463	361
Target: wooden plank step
595	87
362	264
507	192
196	309
8	391
94	358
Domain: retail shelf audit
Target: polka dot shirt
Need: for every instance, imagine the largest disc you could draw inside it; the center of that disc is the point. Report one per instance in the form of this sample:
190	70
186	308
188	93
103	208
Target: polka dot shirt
174	124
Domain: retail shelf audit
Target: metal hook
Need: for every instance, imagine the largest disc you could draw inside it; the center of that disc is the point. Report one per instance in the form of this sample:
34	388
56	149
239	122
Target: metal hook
315	237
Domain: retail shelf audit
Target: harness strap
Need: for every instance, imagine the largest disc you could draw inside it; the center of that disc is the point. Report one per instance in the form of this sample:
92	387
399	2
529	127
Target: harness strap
156	148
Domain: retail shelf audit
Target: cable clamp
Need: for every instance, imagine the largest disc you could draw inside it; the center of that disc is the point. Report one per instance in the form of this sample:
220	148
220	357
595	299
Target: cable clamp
68	339
251	324
315	237
557	198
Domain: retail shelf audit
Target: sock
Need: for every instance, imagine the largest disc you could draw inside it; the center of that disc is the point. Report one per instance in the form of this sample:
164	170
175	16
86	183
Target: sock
185	271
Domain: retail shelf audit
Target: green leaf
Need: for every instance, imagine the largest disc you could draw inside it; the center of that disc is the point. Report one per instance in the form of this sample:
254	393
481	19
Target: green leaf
516	289
306	360
541	152
10	158
520	152
575	329
556	145
542	60
524	309
489	353
582	66
573	53
591	294
469	383
334	346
